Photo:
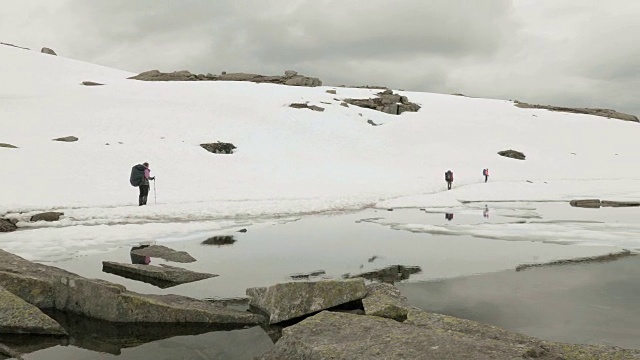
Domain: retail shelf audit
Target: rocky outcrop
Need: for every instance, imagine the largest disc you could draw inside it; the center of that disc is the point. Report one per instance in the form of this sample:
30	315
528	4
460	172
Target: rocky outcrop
46	50
47	216
423	335
20	317
306	106
219	147
4	145
162	276
67	139
220	240
591	259
47	287
387	102
163	252
290	77
612	114
512	154
7	226
385	300
390	274
288	301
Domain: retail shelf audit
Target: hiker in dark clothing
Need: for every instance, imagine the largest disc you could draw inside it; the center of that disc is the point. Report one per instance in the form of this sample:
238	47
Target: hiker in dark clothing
448	177
448	216
485	173
144	185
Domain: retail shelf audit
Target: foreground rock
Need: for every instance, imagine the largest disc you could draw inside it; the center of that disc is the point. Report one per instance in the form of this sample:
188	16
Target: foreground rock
7	226
219	147
295	299
512	154
9	146
582	260
163	252
47	287
385	300
162	276
47	216
386	102
20	317
589	111
290	77
332	336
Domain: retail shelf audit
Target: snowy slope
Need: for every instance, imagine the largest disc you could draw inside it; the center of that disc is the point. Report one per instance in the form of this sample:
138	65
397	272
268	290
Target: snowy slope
288	161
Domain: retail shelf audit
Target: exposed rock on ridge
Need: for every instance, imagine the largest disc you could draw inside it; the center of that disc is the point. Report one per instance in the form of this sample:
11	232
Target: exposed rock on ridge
290	78
608	113
387	102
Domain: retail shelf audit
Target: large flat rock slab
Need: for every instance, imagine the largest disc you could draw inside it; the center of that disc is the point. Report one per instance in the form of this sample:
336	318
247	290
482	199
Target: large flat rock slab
163	276
340	336
163	252
291	300
47	287
20	317
385	300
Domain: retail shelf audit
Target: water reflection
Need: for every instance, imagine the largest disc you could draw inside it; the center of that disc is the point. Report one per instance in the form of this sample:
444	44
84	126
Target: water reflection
390	274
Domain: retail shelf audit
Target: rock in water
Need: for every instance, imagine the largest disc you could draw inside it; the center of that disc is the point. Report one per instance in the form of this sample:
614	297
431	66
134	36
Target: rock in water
165	253
163	276
20	317
291	300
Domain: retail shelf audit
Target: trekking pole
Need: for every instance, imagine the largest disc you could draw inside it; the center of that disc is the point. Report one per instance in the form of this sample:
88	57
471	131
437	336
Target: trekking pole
155	200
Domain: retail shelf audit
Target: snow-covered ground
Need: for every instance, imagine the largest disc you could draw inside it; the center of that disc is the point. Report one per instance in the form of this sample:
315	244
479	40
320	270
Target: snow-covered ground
288	161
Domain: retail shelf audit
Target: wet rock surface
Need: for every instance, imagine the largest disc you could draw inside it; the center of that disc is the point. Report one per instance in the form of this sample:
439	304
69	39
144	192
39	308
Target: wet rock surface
291	300
163	252
513	154
47	287
20	317
307	275
386	102
47	216
608	113
591	259
290	77
7	226
162	276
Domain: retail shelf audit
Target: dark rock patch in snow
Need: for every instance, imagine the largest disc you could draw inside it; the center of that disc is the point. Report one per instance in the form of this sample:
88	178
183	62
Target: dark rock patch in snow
8	146
67	139
91	83
220	240
608	113
306	106
47	216
7	225
386	102
46	50
512	154
219	147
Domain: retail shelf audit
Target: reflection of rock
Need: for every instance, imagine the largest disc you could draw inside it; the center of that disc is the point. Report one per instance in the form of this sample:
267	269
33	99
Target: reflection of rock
597	112
307	275
385	300
390	274
512	154
7	226
220	240
295	299
47	216
48	287
590	259
163	252
20	317
11	353
588	203
162	276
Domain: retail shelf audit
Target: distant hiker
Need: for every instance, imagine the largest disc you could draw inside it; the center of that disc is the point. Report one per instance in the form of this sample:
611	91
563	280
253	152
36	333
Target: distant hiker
448	216
448	177
485	213
140	176
485	173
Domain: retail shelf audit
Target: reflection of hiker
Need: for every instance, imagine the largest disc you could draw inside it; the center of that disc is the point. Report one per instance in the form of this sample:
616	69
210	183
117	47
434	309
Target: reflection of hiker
140	176
485	213
448	177
485	173
448	216
139	259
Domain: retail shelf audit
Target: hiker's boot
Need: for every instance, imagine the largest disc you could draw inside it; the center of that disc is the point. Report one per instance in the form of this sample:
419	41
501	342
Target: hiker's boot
140	201
144	200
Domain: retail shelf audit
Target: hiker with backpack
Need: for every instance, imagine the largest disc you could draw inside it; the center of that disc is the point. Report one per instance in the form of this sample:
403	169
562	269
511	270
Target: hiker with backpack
140	176
448	177
485	173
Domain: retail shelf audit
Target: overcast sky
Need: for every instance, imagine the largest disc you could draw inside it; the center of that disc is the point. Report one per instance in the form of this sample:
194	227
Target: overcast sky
560	52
